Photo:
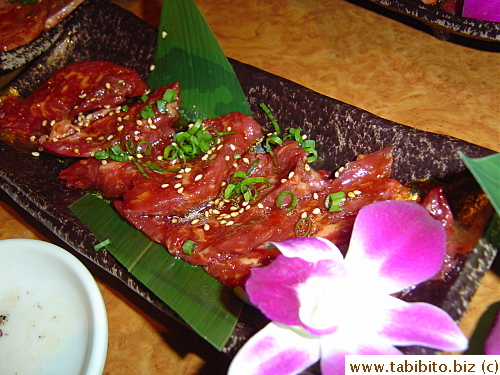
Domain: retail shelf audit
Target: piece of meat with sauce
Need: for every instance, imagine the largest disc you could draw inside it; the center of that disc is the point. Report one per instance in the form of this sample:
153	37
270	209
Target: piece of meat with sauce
21	23
118	125
72	91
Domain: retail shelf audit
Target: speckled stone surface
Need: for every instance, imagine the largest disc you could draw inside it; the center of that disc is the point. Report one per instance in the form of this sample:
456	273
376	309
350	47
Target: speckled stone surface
334	47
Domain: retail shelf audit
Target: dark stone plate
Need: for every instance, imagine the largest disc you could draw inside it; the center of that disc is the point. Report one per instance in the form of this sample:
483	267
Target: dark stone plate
102	30
17	57
444	24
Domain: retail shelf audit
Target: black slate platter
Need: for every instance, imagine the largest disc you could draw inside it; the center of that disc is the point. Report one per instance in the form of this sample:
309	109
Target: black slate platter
104	31
18	57
444	24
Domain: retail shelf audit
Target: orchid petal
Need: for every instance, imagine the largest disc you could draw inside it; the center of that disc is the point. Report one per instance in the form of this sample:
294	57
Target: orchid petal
276	350
395	244
312	249
292	286
482	10
492	343
421	324
335	347
272	289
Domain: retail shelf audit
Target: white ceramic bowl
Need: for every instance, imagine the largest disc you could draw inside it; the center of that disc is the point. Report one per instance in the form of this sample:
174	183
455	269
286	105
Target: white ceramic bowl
52	315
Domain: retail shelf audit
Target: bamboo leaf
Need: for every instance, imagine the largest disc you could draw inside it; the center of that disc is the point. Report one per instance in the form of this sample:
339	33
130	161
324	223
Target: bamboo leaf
188	52
210	308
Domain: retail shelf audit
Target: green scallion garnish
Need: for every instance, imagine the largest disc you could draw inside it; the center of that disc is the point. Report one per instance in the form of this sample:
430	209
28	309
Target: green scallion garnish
333	201
300	231
102	244
188	247
291	202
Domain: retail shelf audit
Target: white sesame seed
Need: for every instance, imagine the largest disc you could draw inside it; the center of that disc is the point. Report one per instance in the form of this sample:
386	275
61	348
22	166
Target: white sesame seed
206	227
108	85
195	221
120	128
229	223
303	215
33	138
104	162
291	174
177	185
164	34
232	147
226	158
283	180
307	167
110	137
357	192
198	177
351	194
180	190
187	169
152	67
223	221
315	195
260	205
316	211
76	151
234	214
35	153
215	212
165	185
139	122
174	220
246	161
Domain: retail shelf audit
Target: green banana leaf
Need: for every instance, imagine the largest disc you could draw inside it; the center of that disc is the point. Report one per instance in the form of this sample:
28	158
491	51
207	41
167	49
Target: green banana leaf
188	52
210	308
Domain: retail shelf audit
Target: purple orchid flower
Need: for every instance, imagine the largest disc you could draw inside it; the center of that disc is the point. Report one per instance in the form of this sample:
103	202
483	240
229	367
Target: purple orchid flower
324	306
486	10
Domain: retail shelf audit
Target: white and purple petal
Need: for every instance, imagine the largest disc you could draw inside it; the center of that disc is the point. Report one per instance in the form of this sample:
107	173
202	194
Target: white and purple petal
335	347
421	324
272	289
395	244
311	249
276	350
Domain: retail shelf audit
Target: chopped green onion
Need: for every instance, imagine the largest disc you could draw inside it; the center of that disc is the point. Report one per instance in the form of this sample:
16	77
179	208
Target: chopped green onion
334	200
100	155
125	108
117	154
162	106
140	168
299	231
147	112
102	244
144	97
271	117
169	95
159	169
281	197
188	247
245	186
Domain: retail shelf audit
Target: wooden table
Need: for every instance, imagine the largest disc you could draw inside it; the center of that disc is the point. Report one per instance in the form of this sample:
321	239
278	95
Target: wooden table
351	51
